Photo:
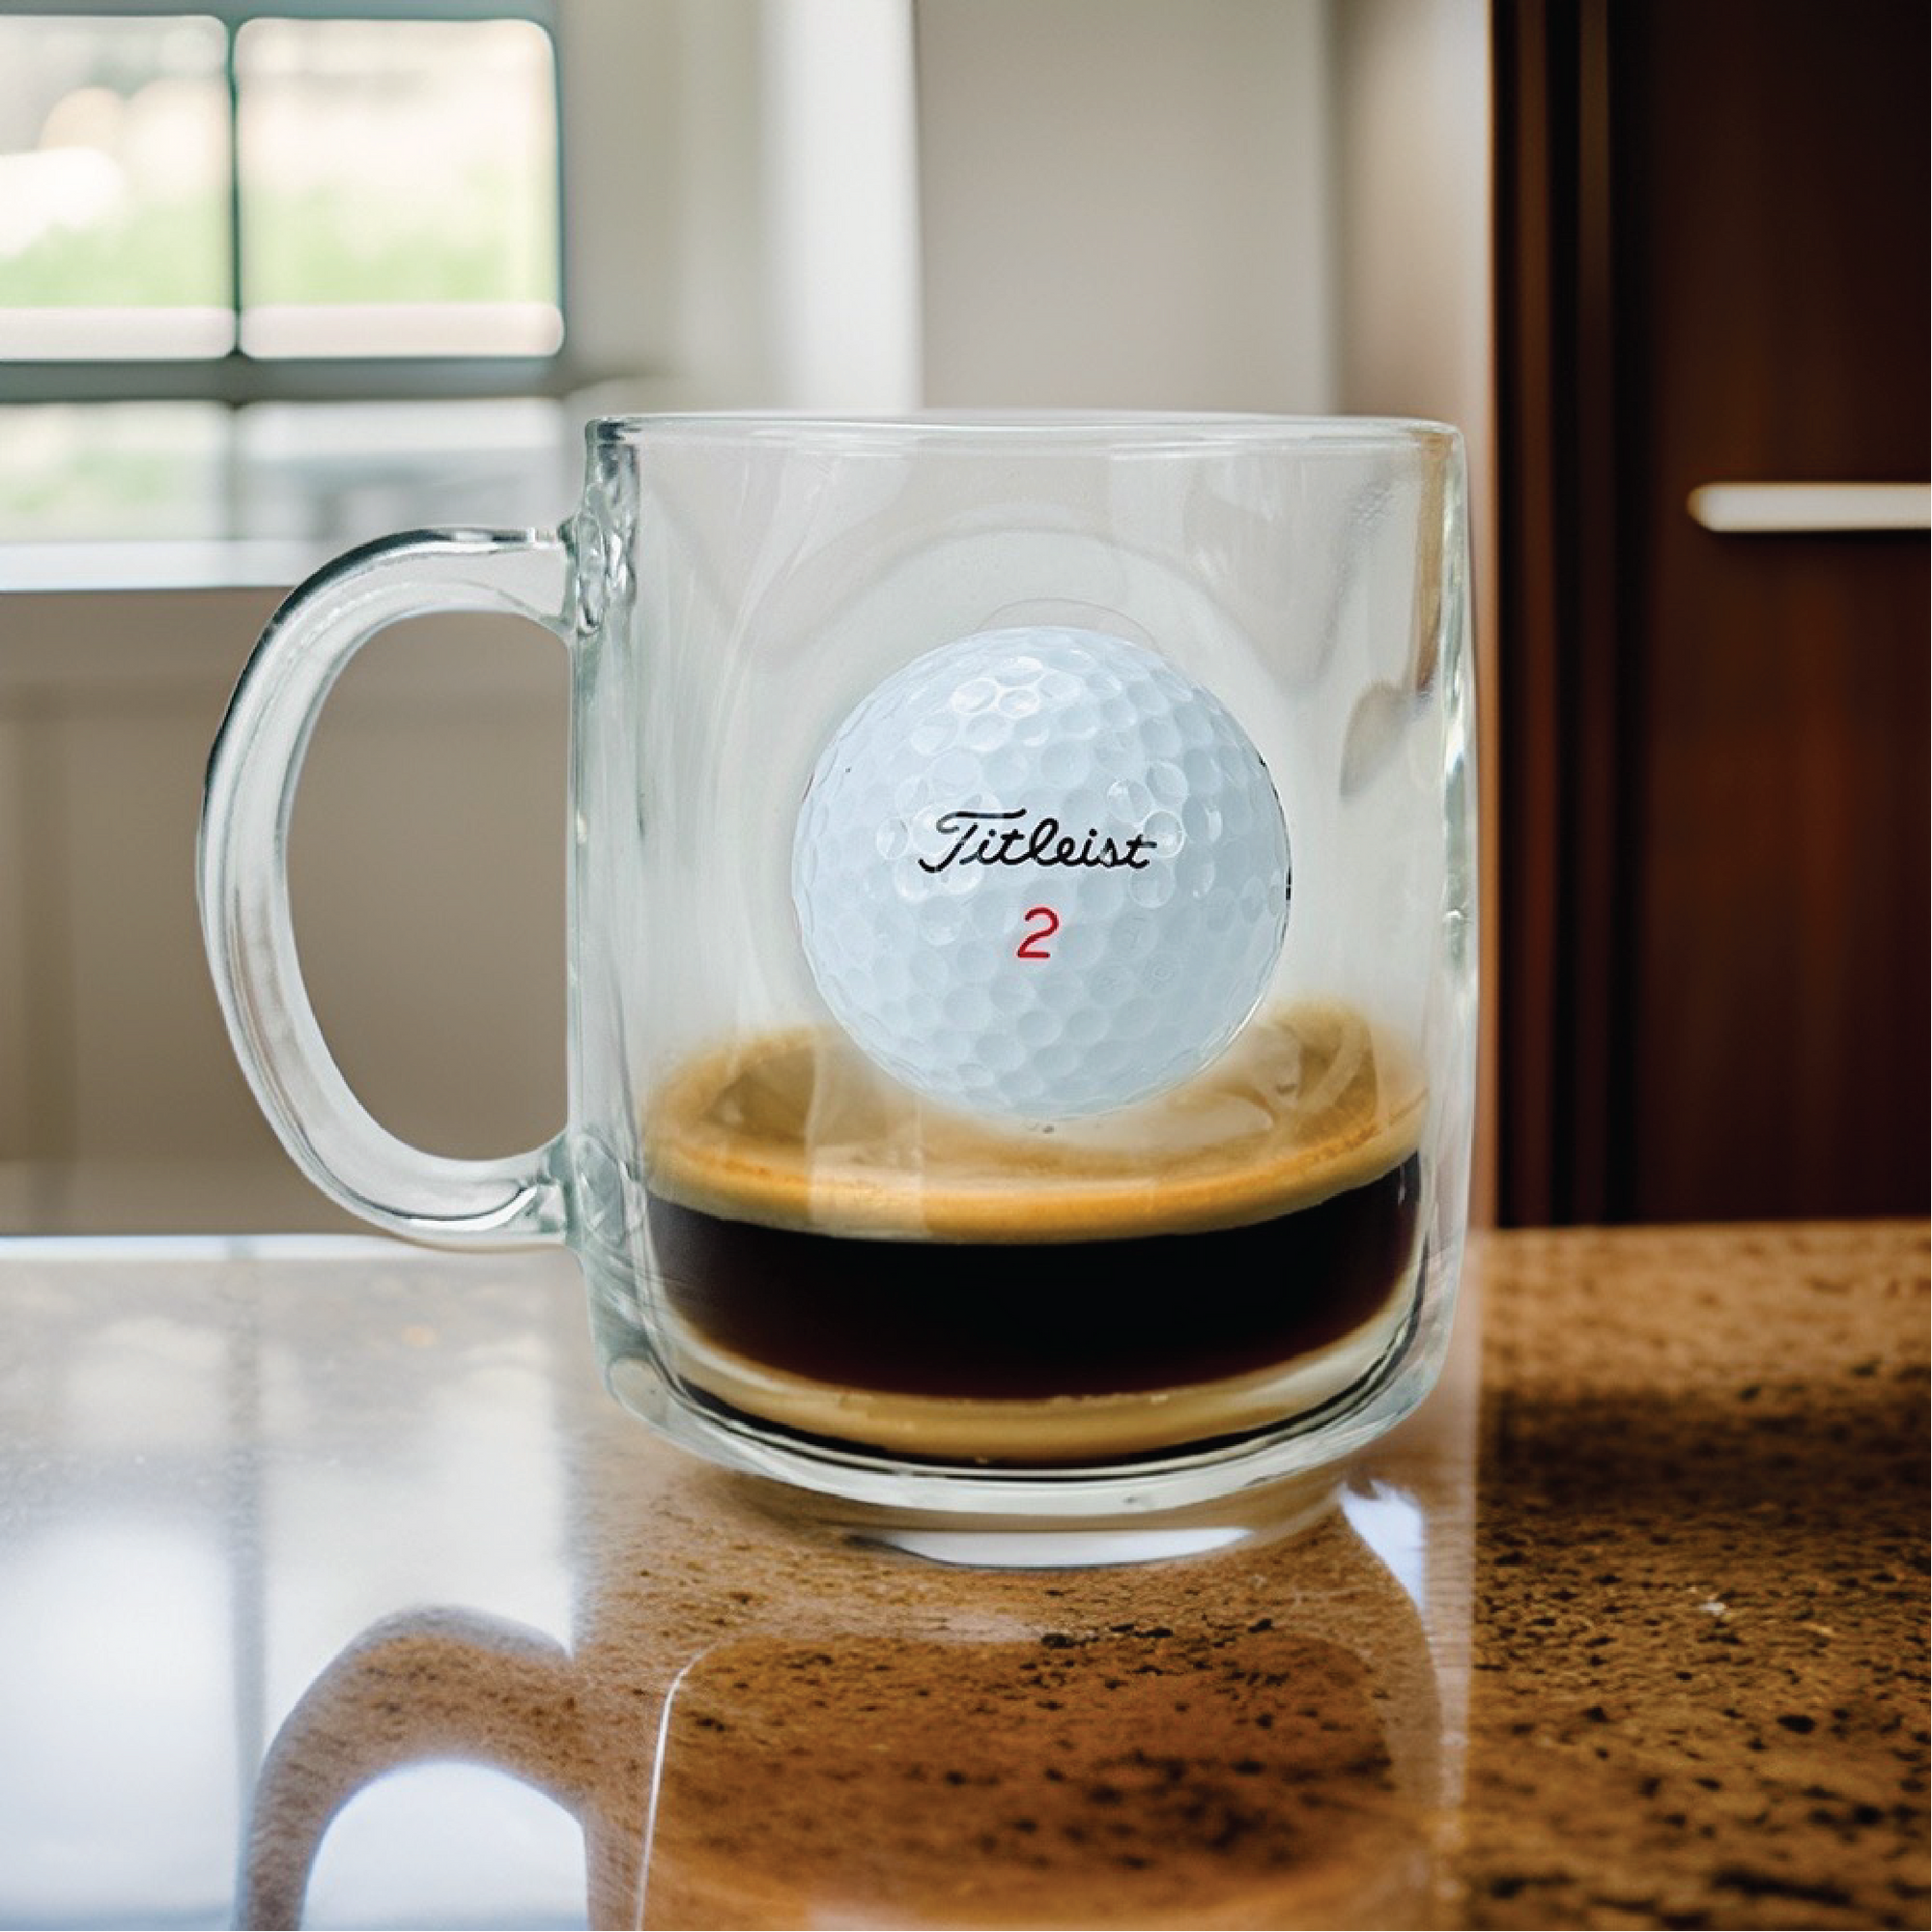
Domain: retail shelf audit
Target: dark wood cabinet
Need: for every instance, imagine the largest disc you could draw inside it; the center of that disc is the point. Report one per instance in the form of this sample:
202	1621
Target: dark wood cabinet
1712	266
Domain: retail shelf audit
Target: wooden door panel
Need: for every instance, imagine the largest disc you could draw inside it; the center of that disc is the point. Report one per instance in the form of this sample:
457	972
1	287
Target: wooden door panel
1779	1031
1727	882
1771	227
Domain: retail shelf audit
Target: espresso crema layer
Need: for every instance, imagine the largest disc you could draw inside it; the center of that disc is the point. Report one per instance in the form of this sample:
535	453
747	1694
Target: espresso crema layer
850	1263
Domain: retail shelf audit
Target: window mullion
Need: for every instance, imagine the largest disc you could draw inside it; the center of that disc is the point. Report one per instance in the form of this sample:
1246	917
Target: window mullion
234	185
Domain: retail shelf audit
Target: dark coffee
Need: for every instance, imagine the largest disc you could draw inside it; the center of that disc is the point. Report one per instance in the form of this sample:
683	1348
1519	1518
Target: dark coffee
1019	1321
835	1257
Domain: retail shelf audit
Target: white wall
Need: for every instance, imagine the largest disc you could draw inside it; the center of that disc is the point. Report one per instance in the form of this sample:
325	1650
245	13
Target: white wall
1412	254
1126	203
741	227
666	243
629	150
867	203
841	190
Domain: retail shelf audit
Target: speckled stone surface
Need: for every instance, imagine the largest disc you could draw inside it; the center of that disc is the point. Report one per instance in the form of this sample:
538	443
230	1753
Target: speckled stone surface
1700	1658
1628	1631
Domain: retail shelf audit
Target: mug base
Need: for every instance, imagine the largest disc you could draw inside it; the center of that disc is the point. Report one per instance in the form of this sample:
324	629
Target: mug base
1270	1515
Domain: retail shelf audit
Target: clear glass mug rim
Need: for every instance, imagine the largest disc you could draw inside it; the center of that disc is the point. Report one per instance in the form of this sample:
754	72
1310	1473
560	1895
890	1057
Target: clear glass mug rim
1143	430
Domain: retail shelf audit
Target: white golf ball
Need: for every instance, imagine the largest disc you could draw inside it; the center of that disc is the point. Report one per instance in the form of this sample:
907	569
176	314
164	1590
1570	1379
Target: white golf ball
1039	874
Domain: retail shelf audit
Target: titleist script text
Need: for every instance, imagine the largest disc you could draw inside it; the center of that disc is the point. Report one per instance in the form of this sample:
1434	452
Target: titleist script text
1006	838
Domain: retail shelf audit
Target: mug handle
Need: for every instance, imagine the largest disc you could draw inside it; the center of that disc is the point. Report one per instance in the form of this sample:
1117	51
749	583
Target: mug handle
244	881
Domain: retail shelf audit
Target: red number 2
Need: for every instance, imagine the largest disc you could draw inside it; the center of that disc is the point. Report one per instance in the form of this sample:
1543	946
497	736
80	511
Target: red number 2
1034	945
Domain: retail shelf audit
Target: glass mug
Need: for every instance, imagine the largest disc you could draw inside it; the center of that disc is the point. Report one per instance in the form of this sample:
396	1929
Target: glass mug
1022	941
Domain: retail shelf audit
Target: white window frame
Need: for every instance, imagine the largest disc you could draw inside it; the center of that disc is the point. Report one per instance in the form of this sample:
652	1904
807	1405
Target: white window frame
235	377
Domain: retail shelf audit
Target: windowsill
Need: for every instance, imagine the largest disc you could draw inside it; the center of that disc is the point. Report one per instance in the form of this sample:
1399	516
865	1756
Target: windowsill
196	497
157	563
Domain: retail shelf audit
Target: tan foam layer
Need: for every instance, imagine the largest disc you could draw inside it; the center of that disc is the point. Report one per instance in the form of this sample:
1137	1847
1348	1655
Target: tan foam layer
799	1130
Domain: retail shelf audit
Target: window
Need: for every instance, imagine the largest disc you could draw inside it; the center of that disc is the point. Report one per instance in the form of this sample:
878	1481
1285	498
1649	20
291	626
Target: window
248	201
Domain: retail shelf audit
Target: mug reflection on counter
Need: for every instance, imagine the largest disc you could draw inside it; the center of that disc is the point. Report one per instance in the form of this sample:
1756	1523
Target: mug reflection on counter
759	1725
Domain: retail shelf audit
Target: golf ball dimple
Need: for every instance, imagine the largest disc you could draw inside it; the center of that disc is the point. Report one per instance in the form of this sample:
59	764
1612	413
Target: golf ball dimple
1039	874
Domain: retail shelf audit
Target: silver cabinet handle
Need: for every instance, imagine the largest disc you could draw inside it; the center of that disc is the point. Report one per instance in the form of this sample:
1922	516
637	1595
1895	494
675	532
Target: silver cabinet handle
1767	509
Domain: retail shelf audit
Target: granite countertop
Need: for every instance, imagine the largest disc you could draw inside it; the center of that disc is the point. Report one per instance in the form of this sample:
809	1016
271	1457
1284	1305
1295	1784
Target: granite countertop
324	1562
1700	1617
